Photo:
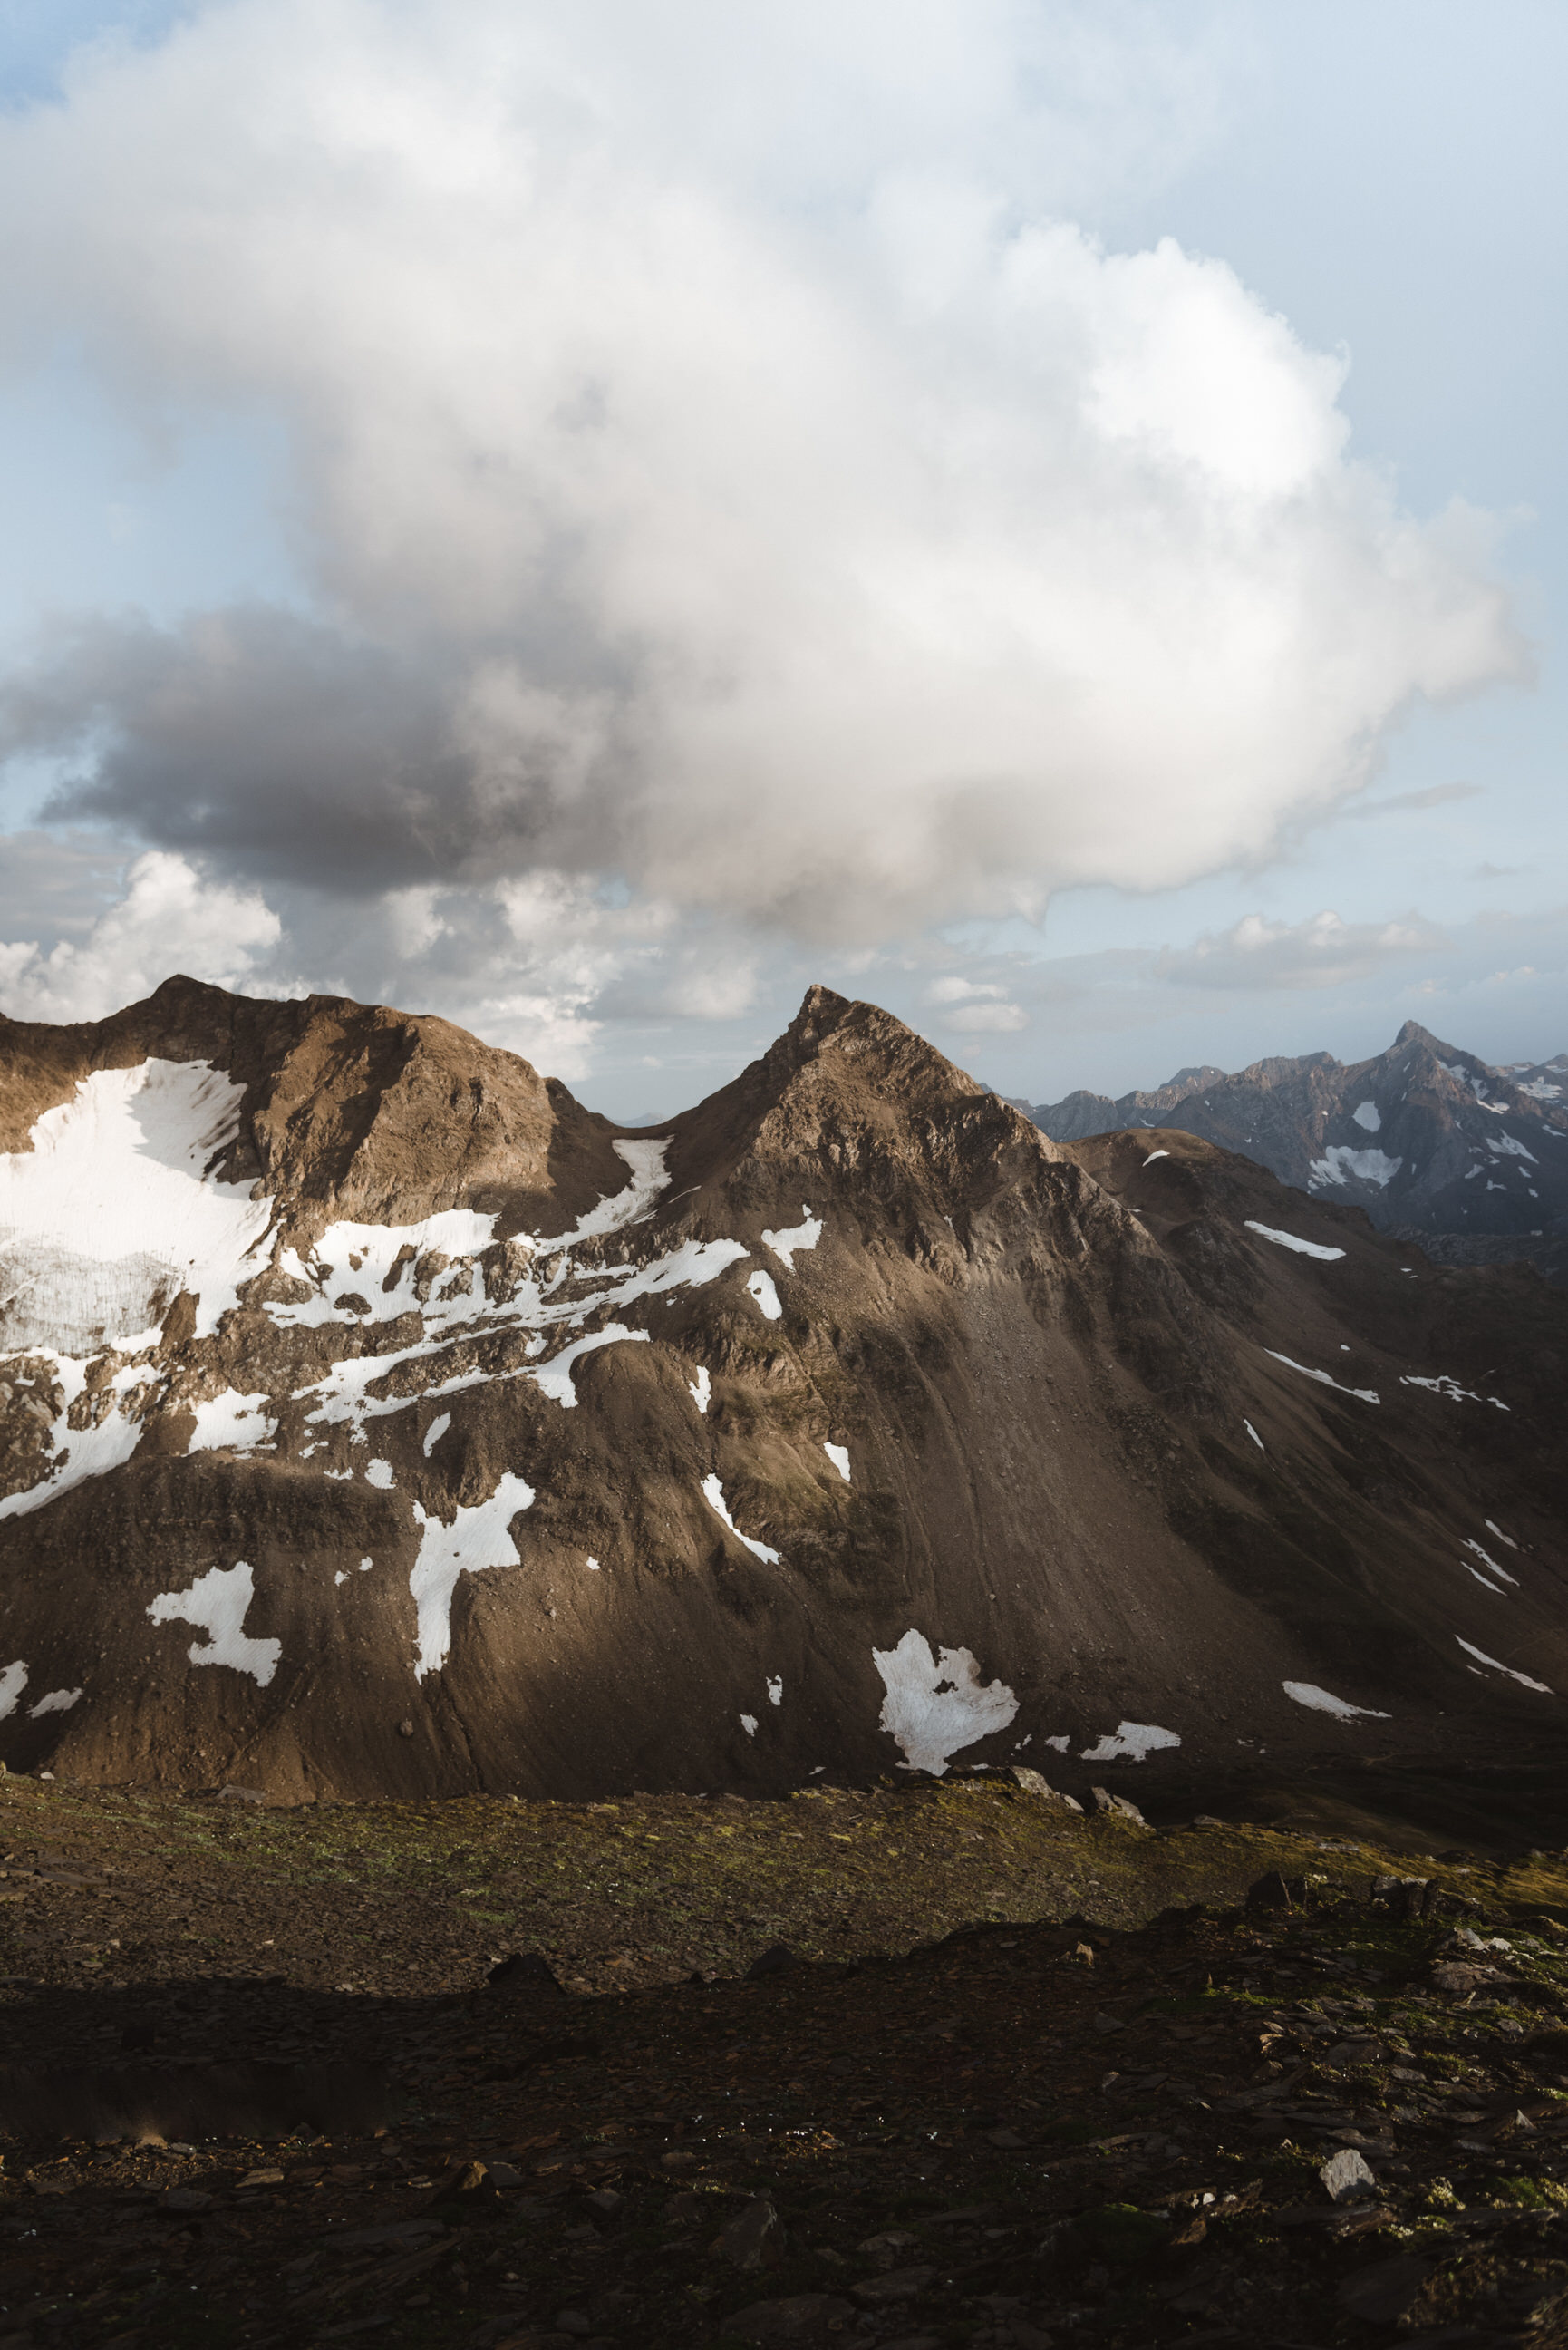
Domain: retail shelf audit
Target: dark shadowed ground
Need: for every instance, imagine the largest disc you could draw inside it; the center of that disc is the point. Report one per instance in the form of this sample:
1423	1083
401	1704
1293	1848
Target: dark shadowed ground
1030	2078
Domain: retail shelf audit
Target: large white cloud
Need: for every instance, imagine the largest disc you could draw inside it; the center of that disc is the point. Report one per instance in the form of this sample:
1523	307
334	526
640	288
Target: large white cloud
715	463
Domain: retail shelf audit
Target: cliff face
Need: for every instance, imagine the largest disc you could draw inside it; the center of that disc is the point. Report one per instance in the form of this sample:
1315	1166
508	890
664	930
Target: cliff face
379	1421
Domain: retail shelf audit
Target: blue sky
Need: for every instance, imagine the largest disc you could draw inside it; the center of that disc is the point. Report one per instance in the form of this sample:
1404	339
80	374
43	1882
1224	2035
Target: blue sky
836	657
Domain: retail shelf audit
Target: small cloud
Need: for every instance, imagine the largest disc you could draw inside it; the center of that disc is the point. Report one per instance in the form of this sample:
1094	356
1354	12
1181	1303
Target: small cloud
1321	952
1402	803
988	1019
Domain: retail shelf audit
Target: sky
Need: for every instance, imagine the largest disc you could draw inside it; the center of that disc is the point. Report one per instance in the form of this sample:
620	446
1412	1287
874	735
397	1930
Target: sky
586	520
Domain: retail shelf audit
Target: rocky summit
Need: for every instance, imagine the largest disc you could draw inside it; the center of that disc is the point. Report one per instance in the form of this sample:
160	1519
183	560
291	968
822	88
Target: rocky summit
380	1422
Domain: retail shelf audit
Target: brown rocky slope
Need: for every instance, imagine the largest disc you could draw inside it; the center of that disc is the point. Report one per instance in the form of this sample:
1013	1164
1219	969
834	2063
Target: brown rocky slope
381	1421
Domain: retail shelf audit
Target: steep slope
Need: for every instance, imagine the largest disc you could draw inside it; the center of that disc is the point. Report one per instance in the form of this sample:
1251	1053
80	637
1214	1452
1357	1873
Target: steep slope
381	1421
1426	1137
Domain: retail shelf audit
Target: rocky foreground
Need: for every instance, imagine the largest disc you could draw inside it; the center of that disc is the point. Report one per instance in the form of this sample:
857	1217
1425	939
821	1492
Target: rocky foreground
1017	2076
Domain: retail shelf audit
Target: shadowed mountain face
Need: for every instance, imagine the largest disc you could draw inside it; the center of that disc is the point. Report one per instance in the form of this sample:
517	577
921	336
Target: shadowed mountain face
1425	1138
378	1421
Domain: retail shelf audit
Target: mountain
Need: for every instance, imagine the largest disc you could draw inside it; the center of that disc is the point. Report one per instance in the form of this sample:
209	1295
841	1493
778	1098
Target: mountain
376	1419
1426	1137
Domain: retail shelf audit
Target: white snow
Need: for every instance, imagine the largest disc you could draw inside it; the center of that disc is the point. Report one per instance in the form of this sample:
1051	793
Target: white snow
555	1377
1290	1240
366	1565
1254	1435
436	1430
1060	1744
1339	1163
1493	1528
477	1539
776	1688
799	1236
1541	1089
13	1681
748	1725
341	1575
937	1702
110	1215
1362	1395
1512	1150
701	1388
1133	1741
379	1475
839	1456
1485	1581
1522	1678
760	1287
81	1452
1365	1114
645	1160
713	1494
594	1566
216	1604
58	1700
1444	1386
1490	1563
1153	1155
232	1422
1319	1700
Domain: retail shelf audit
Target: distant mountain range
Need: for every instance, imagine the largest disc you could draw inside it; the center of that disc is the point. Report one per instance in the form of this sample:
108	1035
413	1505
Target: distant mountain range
376	1419
1432	1142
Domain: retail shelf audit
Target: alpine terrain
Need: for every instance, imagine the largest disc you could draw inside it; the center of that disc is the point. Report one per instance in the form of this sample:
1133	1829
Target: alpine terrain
1427	1139
379	1421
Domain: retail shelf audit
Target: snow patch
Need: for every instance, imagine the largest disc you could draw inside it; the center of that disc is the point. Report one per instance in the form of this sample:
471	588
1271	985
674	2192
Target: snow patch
1445	1386
232	1422
1522	1678
1366	1115
713	1494
649	1178
379	1475
839	1456
776	1688
1320	1700
1133	1741
217	1603
85	1451
555	1377
57	1701
1153	1155
436	1430
1510	1149
799	1236
760	1287
594	1566
748	1725
1254	1435
701	1388
1060	1744
1362	1395
1490	1563
1340	1164
1493	1528
1290	1240
13	1681
477	1539
111	1214
936	1702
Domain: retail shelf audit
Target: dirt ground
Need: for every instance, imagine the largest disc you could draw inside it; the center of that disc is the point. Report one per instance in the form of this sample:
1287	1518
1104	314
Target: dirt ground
1018	2077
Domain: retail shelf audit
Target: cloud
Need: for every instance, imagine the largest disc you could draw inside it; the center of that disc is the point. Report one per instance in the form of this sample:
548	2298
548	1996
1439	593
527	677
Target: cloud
1400	803
1321	952
715	461
169	919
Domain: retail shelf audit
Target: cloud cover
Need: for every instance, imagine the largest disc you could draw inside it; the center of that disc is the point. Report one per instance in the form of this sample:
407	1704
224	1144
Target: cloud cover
705	473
